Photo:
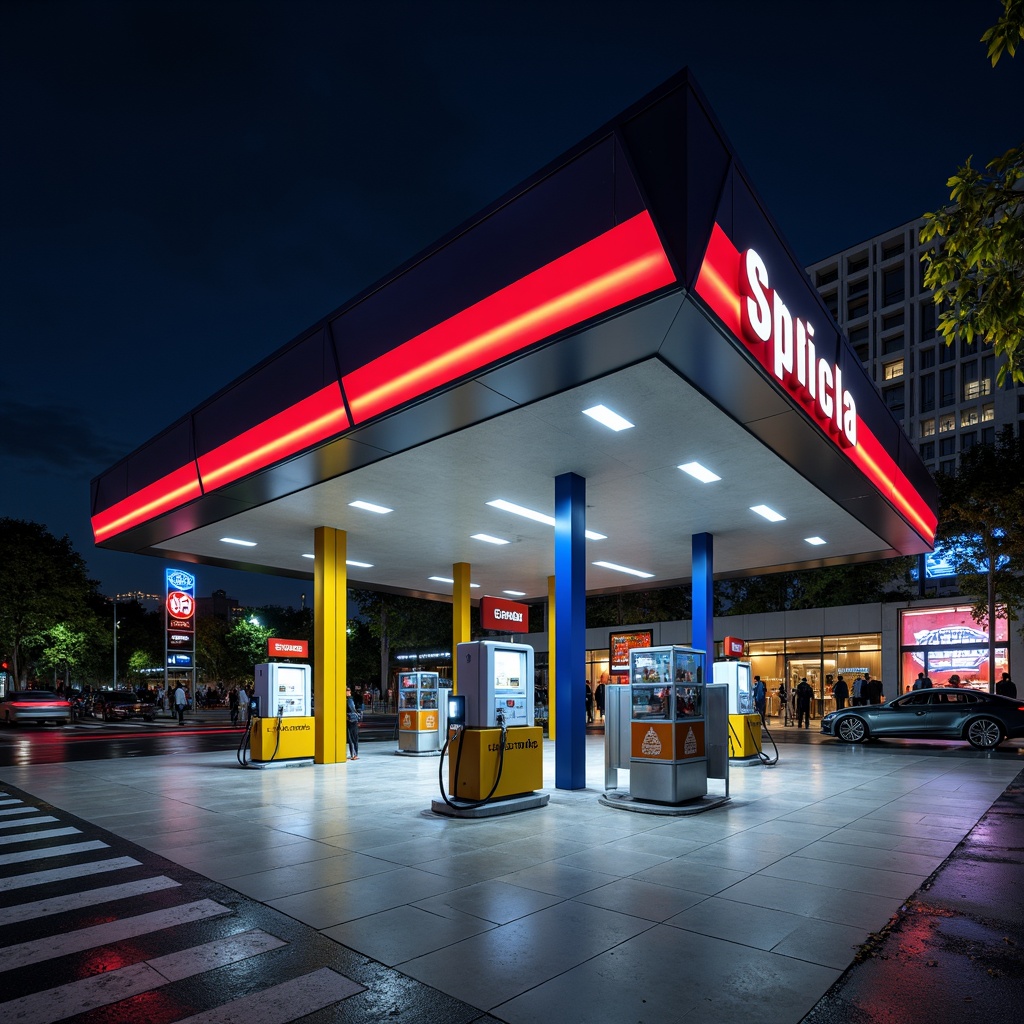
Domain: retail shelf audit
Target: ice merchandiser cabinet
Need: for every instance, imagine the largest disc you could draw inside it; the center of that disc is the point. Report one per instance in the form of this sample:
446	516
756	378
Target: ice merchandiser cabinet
668	758
497	681
418	715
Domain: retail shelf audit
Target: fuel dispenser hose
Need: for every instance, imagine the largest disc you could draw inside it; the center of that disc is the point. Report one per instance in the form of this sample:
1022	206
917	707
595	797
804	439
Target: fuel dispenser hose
467	804
768	762
246	741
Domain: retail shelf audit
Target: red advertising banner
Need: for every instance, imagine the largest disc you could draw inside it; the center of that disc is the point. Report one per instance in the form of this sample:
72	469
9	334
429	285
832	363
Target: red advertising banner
506	616
277	648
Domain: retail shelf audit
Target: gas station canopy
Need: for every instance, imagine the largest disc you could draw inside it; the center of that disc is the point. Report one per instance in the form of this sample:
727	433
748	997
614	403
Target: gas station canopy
639	272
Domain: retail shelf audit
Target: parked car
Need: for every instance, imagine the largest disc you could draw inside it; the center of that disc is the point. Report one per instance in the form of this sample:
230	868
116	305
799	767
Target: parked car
120	705
982	719
39	706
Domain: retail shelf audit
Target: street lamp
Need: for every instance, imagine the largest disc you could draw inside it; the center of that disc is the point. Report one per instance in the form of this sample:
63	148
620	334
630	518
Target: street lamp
113	601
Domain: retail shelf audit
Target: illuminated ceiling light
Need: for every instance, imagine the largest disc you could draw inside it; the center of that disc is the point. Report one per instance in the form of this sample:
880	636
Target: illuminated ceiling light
699	472
487	538
537	517
349	561
515	593
240	543
368	506
445	579
626	569
769	513
604	416
815	540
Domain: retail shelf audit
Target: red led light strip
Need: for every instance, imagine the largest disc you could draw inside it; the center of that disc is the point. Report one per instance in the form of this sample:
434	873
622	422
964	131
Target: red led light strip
623	264
316	418
161	496
618	266
718	286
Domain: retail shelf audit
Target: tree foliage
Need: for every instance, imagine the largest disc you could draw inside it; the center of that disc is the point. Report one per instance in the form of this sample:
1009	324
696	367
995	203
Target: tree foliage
977	266
44	582
981	508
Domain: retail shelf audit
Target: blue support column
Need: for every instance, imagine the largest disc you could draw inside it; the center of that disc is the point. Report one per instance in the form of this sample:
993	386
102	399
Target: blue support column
703	559
570	631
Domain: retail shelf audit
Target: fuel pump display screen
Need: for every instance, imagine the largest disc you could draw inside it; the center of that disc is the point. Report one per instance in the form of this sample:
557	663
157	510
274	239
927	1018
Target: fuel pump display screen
509	671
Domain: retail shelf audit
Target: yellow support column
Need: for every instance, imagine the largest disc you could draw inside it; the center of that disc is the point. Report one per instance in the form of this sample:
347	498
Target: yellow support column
330	632
551	657
460	615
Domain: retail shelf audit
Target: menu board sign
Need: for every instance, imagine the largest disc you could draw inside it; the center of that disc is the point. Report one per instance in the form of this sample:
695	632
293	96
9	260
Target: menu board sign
620	644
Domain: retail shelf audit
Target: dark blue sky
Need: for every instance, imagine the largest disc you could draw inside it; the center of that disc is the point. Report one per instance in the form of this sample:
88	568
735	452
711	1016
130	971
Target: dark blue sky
188	185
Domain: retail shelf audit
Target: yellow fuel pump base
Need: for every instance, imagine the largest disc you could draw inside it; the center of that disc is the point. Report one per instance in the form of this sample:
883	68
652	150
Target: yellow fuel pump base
522	771
744	737
296	741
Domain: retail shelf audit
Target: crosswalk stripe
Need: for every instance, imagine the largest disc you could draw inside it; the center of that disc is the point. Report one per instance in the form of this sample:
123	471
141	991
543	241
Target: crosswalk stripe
53	946
279	1004
52	851
43	833
71	871
20	809
189	962
78	900
35	821
113	986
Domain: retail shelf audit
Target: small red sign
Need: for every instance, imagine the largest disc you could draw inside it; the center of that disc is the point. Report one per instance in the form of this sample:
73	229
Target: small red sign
277	648
733	647
180	605
503	615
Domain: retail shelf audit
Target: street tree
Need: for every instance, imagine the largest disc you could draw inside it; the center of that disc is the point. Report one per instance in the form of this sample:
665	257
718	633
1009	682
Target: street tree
981	508
44	582
976	268
63	649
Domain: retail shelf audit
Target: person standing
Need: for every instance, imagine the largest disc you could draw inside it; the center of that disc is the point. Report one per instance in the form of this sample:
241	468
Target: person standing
599	694
784	703
233	704
590	704
872	689
1006	686
857	699
760	696
840	691
352	717
180	700
804	695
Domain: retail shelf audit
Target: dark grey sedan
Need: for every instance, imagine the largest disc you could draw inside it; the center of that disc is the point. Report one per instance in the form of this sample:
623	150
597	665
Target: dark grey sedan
983	719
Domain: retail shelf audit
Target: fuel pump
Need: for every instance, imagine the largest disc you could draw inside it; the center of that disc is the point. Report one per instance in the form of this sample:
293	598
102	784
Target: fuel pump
745	723
495	750
285	731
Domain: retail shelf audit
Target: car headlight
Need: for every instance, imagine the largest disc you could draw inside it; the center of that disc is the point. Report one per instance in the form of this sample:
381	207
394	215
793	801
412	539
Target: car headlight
830	716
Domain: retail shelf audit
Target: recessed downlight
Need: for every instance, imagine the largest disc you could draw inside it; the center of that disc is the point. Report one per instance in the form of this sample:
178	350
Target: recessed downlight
769	513
488	539
815	540
607	418
358	565
699	472
626	569
240	543
369	506
515	593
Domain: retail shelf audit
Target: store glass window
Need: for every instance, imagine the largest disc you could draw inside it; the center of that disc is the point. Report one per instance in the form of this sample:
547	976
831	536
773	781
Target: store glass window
947	641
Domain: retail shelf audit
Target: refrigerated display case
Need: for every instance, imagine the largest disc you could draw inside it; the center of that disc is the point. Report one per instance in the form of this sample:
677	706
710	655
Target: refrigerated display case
668	759
418	720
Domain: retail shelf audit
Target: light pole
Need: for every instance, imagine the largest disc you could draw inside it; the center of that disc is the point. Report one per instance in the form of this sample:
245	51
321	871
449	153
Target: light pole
113	601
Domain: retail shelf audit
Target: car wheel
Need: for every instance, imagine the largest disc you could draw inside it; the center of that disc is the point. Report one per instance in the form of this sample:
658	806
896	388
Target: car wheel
852	729
985	734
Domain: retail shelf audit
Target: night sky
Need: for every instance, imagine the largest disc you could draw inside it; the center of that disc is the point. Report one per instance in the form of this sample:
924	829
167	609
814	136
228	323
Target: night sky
186	186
